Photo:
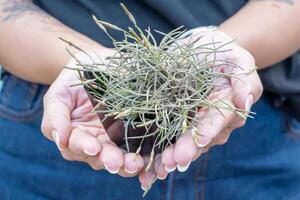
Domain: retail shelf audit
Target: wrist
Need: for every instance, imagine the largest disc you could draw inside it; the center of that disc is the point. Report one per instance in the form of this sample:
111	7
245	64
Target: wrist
239	36
73	44
211	29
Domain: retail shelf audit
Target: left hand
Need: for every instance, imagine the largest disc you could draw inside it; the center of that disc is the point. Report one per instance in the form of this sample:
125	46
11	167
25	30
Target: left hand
77	132
240	92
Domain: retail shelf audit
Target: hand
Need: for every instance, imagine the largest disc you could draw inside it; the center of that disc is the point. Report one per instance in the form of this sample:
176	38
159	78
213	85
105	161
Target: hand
77	132
240	92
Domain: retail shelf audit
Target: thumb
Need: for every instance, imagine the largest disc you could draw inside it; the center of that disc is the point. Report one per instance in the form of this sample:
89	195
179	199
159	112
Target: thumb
246	88
56	122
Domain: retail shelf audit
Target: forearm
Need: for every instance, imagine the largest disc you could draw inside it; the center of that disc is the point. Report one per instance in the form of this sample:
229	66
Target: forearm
29	44
269	29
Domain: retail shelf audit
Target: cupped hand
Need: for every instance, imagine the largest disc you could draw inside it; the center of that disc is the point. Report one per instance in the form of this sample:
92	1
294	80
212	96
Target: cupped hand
214	127
77	132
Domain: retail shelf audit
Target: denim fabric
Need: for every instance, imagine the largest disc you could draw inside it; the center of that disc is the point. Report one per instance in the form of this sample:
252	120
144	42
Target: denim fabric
260	161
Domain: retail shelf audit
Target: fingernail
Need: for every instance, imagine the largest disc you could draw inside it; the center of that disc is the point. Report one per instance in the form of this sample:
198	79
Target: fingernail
112	171
150	184
130	172
203	141
183	168
162	178
87	152
146	188
55	137
170	169
249	103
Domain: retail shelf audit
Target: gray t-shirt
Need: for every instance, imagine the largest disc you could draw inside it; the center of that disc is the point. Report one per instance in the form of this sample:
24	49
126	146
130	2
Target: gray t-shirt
282	79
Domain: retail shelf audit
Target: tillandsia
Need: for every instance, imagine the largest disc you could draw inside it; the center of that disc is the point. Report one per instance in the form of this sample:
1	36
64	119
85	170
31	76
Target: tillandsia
155	88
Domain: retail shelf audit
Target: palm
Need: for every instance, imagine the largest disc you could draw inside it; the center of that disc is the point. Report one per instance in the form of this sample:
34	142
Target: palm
82	137
81	116
240	93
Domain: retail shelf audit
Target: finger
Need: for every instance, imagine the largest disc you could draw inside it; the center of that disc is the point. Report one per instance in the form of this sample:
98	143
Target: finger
237	122
93	161
212	124
159	168
96	164
190	145
185	151
246	89
168	160
133	163
70	156
56	122
83	144
221	139
147	178
111	157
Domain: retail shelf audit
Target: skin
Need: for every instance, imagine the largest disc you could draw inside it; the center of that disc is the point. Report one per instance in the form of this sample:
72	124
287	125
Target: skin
269	31
77	132
29	34
216	131
260	19
265	33
37	43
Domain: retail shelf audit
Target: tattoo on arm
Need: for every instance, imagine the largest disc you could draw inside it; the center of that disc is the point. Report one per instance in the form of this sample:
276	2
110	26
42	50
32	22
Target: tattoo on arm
14	9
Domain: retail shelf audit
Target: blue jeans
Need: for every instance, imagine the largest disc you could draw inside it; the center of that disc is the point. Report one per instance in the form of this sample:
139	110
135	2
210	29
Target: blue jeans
261	161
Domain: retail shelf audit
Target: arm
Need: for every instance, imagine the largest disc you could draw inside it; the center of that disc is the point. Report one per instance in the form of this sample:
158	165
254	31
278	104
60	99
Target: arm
268	29
30	49
29	44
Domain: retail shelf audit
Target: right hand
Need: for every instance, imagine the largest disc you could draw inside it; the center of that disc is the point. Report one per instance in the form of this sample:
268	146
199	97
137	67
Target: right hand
77	132
239	92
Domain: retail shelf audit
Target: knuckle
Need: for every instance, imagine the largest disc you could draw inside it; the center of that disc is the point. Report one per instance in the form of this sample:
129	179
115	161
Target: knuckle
67	156
240	123
231	55
246	55
95	167
222	140
231	116
237	53
205	150
45	129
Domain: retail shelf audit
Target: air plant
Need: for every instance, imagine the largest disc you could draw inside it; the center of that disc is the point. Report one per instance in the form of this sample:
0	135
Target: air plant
155	88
